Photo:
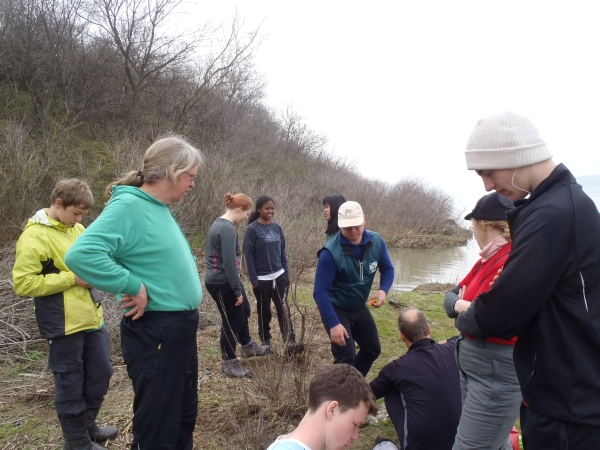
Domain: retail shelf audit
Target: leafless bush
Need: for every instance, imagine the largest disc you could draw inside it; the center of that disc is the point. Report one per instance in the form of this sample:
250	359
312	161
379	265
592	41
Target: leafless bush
251	413
18	331
22	169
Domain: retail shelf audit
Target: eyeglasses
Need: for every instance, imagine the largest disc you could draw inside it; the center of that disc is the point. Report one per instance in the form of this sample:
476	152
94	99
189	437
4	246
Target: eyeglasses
192	177
356	228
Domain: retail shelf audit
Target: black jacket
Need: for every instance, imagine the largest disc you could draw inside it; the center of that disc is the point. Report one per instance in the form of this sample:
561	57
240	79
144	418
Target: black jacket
427	379
549	295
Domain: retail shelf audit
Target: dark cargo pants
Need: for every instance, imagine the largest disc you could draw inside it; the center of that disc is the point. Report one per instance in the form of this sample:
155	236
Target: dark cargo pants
82	370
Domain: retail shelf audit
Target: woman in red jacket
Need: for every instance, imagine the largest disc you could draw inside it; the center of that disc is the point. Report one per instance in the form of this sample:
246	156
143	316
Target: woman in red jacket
490	390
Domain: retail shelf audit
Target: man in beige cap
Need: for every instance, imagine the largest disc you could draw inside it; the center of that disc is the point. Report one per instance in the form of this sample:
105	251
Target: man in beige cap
549	291
343	280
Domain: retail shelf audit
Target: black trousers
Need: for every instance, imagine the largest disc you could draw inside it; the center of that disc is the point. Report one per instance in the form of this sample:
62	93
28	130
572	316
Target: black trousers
541	432
278	292
234	319
397	411
362	330
82	370
161	354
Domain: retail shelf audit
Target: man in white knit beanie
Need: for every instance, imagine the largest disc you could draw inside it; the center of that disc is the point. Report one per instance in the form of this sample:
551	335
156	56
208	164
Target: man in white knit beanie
549	291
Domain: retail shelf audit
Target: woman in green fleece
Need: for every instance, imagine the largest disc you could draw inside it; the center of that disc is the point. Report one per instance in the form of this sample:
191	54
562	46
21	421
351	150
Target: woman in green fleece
137	250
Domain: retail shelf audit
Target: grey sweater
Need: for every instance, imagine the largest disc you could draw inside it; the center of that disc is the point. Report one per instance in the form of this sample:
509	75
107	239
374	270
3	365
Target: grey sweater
223	255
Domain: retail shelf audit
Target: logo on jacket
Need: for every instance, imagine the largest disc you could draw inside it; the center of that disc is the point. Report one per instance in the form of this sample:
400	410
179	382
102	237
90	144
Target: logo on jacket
271	237
373	267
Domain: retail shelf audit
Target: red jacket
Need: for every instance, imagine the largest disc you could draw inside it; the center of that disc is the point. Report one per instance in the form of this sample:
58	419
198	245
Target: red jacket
479	278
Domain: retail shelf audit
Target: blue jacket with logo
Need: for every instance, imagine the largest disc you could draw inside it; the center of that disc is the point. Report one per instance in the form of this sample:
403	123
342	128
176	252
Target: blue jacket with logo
345	273
264	250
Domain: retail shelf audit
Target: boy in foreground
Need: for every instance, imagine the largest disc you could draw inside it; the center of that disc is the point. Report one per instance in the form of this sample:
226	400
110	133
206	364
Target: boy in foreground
68	314
339	399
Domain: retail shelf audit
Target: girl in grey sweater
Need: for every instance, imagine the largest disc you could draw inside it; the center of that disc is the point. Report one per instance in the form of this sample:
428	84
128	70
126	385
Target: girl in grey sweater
225	287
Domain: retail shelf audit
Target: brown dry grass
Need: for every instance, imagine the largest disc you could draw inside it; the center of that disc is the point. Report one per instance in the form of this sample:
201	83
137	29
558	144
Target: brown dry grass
232	413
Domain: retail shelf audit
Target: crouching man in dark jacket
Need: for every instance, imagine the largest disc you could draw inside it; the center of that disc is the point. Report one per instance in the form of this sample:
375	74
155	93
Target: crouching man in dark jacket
422	387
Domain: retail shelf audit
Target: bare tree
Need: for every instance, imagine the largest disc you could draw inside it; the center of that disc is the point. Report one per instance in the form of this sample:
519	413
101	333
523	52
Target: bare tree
148	48
226	71
297	139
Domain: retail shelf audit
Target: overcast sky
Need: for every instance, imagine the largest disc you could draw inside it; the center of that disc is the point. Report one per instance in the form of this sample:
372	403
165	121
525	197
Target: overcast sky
398	86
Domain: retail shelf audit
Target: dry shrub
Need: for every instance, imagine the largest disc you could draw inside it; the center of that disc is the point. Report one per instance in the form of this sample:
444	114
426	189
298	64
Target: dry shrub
19	336
251	413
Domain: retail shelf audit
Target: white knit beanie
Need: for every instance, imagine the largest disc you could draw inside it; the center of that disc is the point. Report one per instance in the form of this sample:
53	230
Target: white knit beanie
505	141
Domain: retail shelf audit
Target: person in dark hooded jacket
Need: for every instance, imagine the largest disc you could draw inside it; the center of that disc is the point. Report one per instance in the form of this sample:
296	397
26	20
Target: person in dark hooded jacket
548	293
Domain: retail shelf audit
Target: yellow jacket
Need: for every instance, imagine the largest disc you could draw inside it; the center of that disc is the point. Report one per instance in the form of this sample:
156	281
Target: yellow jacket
61	306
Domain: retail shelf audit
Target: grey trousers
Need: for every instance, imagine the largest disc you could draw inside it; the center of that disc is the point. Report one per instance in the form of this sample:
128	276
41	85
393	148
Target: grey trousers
491	396
82	370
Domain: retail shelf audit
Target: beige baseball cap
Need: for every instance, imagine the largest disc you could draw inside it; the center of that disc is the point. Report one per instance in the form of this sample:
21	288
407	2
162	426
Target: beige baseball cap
350	214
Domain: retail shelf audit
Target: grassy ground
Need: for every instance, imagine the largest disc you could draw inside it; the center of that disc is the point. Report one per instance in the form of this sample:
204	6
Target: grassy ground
233	414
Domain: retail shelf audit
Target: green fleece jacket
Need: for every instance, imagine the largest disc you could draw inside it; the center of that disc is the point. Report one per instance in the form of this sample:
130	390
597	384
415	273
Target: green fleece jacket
136	239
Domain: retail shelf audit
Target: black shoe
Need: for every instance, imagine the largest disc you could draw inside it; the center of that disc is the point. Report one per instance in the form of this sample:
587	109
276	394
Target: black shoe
99	434
76	433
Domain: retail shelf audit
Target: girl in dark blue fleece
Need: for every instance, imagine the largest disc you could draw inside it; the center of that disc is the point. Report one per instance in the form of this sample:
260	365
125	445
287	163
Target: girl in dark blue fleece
266	258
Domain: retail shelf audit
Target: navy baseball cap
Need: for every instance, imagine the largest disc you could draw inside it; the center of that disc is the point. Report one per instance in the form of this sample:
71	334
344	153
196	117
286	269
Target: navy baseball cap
493	206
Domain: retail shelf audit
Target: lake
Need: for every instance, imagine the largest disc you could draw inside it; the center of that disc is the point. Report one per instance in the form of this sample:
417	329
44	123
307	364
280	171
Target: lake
416	266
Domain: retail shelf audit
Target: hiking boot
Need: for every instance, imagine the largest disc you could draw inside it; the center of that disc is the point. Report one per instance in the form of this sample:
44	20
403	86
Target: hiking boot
76	433
253	349
294	348
99	434
233	368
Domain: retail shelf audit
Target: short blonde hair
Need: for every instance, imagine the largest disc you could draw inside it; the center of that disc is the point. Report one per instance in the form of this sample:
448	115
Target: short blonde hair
501	225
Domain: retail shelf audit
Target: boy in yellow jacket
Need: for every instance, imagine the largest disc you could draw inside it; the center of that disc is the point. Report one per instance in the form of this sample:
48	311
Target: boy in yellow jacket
68	314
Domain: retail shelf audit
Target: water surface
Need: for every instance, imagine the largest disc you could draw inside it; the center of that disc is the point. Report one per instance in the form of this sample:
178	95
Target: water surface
436	265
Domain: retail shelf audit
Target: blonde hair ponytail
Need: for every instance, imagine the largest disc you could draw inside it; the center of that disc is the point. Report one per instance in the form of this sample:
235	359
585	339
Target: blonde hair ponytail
167	157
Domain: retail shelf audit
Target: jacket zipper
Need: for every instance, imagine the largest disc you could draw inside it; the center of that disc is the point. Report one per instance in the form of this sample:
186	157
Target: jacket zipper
361	271
533	369
583	289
